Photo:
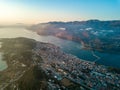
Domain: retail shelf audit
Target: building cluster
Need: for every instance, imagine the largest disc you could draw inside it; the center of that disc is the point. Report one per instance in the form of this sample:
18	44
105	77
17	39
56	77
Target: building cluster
87	75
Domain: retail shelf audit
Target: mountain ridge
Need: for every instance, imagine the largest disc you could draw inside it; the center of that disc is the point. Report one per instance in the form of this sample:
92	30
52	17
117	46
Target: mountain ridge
93	34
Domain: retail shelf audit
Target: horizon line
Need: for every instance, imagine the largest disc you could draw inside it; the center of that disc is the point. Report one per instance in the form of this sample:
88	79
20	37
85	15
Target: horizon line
20	23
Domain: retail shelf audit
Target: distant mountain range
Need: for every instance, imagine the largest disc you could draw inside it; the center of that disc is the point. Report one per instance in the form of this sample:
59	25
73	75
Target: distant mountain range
15	25
93	34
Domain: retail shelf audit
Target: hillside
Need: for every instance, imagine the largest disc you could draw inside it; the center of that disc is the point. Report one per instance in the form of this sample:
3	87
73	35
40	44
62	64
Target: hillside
98	35
34	65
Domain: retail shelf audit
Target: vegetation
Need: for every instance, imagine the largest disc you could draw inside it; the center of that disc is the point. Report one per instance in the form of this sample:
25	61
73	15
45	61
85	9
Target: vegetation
18	52
33	79
18	49
114	70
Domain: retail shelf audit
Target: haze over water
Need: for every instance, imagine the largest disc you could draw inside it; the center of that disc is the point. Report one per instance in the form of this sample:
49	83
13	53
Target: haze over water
66	45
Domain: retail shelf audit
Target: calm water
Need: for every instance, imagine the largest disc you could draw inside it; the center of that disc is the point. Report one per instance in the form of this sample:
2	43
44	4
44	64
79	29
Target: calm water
3	64
67	46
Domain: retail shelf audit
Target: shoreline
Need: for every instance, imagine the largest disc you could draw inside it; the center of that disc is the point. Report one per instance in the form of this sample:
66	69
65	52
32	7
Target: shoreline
97	57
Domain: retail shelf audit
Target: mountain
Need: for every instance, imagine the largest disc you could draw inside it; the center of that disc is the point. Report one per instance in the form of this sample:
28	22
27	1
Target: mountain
98	35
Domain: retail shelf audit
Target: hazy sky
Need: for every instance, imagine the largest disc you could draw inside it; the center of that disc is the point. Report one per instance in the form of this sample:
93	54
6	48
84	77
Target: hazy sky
35	11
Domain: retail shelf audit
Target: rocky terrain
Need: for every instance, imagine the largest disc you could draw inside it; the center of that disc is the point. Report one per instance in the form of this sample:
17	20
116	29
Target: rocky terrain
97	35
34	65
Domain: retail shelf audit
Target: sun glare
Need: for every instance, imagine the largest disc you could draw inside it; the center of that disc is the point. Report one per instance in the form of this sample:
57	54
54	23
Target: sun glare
8	12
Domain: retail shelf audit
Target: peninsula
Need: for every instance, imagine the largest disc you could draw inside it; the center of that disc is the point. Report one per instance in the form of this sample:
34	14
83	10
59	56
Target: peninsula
34	65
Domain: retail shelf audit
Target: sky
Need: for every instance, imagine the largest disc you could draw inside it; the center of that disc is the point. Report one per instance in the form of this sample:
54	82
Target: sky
39	11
